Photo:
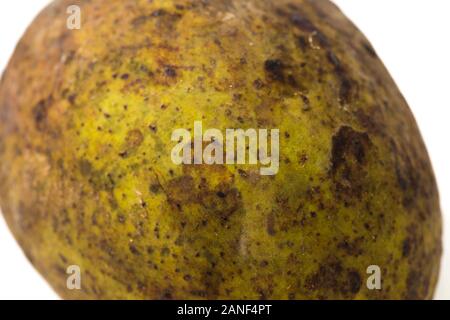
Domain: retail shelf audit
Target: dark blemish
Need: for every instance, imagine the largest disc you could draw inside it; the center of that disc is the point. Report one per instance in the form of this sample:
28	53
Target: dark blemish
346	84
40	112
292	81
187	277
348	161
264	263
159	13
85	167
123	154
271	224
199	293
407	177
153	128
346	90
313	214
237	97
136	22
72	98
348	142
413	285
333	59
154	188
322	39
181	190
302	23
372	121
258	84
134	138
163	107
243	173
134	250
220	194
303	158
406	247
303	43
306	104
141	286
167	295
107	115
125	76
63	258
334	281
351	248
354	281
170	71
121	218
275	69
165	251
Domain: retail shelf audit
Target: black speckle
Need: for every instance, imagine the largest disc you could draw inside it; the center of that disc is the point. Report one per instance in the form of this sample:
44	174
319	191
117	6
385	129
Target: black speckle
258	84
302	23
121	218
271	224
354	282
40	112
275	69
406	247
333	59
72	99
243	173
85	167
220	194
170	71
154	188
134	250
187	277
165	251
153	128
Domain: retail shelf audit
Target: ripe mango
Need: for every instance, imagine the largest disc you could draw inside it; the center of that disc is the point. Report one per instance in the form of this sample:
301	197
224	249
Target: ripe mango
86	178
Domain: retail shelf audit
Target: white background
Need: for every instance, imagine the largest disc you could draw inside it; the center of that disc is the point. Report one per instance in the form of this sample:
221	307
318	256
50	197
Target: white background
412	37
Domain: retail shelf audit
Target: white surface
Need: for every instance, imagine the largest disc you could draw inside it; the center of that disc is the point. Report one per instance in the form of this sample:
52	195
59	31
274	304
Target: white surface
411	37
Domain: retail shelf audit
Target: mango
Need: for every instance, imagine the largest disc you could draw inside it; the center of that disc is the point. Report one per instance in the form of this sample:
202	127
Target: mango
86	175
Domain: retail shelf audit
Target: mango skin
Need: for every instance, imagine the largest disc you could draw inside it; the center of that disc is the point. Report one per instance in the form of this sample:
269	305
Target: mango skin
86	177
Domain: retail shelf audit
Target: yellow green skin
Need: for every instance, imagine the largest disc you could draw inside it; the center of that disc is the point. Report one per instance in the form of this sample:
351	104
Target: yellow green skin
85	143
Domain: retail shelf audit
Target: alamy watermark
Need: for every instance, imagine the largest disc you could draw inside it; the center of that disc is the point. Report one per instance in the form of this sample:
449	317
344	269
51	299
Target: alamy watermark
74	19
236	146
73	281
374	280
